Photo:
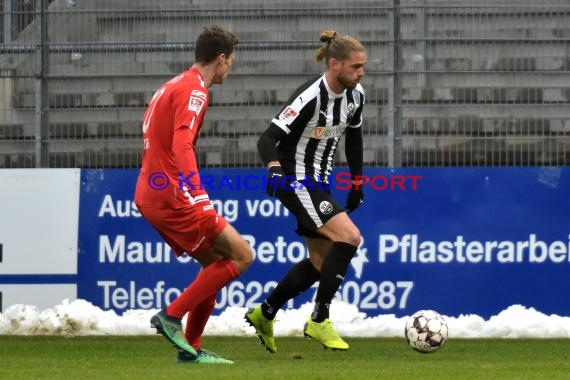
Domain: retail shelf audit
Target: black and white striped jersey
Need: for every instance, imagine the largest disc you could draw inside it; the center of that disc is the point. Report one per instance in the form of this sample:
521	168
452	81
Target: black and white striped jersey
314	120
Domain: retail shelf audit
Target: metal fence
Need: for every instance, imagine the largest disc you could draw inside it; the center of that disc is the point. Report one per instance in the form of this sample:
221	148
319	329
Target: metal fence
448	83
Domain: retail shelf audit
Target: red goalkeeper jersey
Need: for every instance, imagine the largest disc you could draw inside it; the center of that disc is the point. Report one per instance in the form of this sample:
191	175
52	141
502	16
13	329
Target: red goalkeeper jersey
169	175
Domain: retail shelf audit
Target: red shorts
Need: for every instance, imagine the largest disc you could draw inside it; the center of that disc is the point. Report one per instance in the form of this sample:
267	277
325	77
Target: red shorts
190	229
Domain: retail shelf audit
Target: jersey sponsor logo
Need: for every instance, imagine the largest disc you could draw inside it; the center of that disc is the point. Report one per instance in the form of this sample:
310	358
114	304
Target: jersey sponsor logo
325	207
318	132
197	100
288	114
328	133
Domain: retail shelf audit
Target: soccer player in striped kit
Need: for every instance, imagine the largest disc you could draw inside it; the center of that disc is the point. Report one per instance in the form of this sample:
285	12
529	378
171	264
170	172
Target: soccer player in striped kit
182	212
298	149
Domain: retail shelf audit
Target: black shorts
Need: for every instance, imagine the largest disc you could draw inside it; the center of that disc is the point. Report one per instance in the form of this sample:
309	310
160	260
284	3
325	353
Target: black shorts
312	206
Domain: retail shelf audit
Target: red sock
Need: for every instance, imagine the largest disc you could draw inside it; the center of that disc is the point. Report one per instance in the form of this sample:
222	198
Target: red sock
211	279
197	320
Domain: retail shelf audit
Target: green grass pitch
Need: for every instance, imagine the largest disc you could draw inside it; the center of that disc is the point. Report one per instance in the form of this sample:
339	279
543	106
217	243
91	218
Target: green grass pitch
151	357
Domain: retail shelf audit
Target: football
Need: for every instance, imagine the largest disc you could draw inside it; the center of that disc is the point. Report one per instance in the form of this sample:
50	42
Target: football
426	331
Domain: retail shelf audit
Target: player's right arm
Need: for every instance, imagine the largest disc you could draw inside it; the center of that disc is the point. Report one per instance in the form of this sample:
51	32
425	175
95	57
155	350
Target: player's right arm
267	145
267	148
291	117
294	115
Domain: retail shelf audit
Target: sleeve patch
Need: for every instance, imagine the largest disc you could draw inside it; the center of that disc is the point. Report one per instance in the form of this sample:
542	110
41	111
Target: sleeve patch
197	100
288	115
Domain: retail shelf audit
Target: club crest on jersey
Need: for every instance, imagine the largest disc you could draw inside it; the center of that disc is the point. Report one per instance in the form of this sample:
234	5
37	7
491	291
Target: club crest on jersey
197	100
351	109
325	207
288	114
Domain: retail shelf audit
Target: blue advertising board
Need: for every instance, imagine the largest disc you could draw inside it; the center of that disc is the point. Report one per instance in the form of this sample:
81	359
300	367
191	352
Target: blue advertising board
458	240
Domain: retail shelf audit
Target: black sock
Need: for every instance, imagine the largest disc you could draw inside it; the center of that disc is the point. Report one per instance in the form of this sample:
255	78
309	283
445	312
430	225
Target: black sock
333	271
299	278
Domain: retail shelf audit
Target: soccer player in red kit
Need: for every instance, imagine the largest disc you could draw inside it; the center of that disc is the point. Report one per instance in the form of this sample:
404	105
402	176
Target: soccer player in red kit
180	210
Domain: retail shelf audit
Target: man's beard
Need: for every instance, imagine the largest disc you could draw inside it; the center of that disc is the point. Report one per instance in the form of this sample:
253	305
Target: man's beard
347	84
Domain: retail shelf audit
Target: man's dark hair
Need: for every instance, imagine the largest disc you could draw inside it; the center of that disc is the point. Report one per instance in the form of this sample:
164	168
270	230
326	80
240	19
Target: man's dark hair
212	42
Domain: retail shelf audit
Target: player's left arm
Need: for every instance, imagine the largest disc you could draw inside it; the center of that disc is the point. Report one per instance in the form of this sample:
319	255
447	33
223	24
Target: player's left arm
354	149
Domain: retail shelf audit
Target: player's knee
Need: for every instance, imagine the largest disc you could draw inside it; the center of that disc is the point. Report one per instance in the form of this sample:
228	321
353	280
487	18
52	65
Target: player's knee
244	257
248	257
352	236
354	240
